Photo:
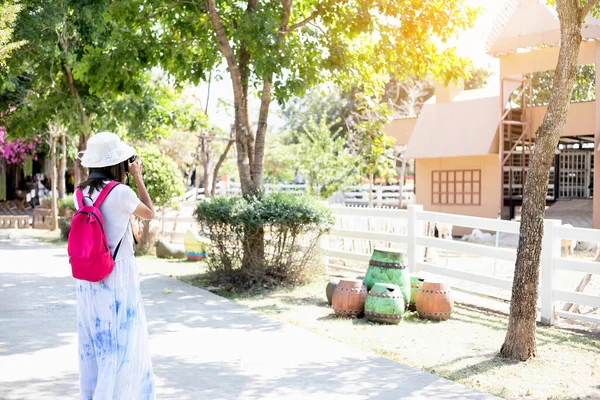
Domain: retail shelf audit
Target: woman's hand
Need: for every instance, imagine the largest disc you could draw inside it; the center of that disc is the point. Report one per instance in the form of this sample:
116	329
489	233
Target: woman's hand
145	209
135	167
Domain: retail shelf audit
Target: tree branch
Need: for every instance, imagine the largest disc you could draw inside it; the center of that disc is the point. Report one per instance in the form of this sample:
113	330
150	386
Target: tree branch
224	46
285	17
74	92
221	160
587	8
318	9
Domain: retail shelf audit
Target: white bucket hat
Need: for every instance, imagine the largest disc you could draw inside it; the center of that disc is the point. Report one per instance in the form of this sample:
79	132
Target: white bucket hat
105	149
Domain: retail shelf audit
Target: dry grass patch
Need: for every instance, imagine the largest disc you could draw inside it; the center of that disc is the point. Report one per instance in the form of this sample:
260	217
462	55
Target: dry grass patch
463	349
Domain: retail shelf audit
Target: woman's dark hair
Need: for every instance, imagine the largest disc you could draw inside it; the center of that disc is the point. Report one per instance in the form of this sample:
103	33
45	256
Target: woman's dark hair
99	175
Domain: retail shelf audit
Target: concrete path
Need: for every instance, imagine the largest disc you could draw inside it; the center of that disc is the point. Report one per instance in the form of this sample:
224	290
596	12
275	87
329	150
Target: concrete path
204	347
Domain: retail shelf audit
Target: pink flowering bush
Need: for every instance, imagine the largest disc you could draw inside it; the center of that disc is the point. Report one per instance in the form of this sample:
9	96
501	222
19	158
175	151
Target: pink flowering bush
16	151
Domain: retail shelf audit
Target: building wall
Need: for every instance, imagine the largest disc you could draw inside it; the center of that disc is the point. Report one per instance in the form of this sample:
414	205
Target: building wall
580	120
401	129
490	185
542	59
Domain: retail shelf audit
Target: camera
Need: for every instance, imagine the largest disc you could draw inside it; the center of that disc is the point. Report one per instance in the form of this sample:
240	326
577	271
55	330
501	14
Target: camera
128	161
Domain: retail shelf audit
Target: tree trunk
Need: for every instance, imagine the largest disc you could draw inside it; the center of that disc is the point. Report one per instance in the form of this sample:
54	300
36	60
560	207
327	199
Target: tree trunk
79	172
197	180
53	179
250	150
218	166
145	239
520	343
62	167
254	250
207	168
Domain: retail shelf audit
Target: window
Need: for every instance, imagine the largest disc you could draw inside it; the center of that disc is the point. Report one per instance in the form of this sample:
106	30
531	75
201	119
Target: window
456	187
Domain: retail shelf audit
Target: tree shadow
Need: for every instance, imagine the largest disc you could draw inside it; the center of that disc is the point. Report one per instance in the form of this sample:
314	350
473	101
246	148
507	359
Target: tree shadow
204	346
23	243
492	361
35	312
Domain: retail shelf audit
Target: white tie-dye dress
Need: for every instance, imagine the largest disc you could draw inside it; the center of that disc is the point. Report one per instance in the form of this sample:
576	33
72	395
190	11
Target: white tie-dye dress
114	357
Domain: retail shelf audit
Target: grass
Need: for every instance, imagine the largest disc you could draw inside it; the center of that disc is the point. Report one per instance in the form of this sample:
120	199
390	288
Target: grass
463	349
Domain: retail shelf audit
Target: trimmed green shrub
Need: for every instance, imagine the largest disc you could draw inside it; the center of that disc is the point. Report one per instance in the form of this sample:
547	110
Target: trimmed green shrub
289	225
66	206
65	227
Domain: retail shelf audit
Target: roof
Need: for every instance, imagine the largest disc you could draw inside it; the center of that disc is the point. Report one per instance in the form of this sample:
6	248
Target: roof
464	127
526	24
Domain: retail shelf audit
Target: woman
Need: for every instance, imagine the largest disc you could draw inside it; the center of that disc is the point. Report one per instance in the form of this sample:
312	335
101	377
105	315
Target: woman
114	358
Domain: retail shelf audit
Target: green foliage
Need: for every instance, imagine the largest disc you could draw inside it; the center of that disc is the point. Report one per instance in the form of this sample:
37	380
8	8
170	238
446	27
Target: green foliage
280	160
584	89
161	176
370	141
324	159
477	78
65	227
339	45
328	101
292	226
54	74
8	14
28	167
66	206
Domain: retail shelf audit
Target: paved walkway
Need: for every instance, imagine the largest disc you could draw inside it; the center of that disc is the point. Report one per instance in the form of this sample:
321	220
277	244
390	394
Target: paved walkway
204	347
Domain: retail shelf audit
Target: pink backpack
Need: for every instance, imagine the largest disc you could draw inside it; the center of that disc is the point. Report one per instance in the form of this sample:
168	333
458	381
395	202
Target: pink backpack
88	249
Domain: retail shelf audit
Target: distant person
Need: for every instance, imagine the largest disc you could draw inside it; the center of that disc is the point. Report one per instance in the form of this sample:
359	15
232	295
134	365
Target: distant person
193	179
114	357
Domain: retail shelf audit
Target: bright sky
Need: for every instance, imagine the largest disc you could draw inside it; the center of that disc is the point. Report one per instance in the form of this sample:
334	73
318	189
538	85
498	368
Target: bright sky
470	44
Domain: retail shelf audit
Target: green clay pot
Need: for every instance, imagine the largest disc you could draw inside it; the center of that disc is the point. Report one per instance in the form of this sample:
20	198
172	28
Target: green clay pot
389	267
384	304
415	286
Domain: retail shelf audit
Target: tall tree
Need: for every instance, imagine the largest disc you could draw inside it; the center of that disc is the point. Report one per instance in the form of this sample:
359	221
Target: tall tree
278	49
55	132
51	81
520	340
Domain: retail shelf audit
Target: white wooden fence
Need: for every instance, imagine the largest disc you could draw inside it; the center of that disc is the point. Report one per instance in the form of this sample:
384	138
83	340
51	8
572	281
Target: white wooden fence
382	196
359	230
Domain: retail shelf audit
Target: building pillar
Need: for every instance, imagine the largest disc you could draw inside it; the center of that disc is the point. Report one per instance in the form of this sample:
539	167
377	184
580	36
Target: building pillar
596	201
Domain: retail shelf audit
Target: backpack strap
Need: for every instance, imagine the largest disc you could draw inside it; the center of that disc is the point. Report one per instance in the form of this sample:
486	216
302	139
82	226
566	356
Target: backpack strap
105	192
79	198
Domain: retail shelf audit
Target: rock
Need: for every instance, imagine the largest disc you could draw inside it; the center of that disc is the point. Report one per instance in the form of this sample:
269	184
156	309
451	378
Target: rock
166	250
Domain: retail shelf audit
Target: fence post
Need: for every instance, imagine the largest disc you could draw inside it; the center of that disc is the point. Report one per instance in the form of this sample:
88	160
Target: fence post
415	229
550	251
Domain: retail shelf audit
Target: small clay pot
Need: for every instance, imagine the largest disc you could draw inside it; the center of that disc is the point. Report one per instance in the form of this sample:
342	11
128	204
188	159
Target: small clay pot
330	289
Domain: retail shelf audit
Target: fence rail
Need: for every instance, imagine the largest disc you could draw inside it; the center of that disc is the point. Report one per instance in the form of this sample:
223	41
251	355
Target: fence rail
359	230
382	196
